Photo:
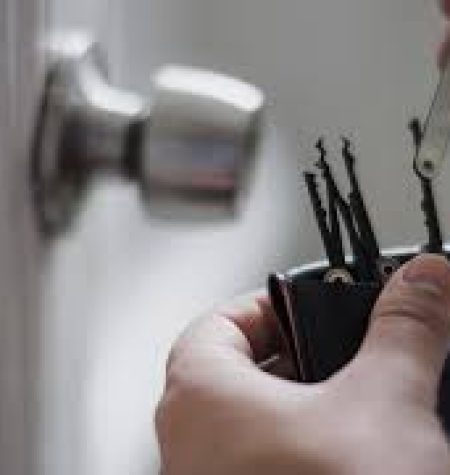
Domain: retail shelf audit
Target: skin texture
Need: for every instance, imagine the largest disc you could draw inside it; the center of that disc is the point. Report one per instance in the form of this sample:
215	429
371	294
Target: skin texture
226	410
222	414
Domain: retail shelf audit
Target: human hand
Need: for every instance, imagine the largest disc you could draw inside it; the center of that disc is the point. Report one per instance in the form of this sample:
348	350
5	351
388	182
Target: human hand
221	414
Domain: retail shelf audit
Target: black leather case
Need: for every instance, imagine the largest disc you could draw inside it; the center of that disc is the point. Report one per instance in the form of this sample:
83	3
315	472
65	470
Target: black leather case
324	324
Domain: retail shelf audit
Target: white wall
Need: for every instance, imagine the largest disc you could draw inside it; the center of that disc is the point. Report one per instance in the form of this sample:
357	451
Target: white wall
120	287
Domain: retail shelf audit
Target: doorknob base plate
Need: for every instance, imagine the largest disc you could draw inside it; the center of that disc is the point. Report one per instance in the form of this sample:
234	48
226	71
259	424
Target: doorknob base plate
56	186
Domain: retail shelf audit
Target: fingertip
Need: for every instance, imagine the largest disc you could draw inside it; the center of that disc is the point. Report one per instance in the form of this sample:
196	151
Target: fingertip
255	318
246	328
431	269
409	333
418	293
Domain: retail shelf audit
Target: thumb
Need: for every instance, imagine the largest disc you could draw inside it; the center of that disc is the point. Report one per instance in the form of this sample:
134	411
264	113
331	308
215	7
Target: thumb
409	335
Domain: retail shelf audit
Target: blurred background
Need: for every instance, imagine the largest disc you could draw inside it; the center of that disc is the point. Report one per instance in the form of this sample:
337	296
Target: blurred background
120	286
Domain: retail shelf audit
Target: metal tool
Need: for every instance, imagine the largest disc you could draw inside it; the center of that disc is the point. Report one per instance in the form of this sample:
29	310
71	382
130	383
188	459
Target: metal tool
325	325
321	219
436	133
370	265
337	205
357	204
336	258
189	147
332	194
328	223
428	204
362	263
382	267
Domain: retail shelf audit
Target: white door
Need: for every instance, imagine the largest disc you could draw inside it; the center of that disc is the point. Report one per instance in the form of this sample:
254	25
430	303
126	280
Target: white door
20	23
117	290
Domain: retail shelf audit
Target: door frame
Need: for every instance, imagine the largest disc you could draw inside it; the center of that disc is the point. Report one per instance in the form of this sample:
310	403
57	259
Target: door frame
21	23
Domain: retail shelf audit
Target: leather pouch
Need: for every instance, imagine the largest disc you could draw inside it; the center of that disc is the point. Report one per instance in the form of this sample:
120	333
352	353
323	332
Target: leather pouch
324	324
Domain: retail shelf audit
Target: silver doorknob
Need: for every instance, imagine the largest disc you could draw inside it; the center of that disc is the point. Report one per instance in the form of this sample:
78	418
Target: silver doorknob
190	147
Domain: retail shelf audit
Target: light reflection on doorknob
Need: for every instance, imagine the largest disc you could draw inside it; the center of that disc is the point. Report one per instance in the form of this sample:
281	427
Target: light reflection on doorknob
189	147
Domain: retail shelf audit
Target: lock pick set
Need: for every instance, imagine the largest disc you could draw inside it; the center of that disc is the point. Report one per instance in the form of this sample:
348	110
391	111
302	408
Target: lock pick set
323	309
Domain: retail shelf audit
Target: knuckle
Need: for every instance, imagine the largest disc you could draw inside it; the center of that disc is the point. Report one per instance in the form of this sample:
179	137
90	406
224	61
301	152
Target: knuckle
184	344
186	384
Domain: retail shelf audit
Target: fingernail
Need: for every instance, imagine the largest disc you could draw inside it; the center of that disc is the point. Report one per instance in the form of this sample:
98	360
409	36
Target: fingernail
430	270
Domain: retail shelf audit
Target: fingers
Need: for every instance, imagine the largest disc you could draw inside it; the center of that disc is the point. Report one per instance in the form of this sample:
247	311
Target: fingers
247	330
409	334
258	324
